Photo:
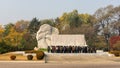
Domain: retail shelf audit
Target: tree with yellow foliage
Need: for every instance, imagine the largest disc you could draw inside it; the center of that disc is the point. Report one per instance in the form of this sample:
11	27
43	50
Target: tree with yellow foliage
1	33
13	37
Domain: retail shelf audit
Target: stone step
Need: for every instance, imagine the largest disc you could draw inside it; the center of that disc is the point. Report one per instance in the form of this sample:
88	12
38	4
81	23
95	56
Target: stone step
76	56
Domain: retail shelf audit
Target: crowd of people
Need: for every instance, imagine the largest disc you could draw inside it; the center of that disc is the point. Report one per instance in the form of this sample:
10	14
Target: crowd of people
70	49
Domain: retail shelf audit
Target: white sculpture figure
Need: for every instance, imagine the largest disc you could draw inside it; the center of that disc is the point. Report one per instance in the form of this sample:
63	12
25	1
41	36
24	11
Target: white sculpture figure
43	35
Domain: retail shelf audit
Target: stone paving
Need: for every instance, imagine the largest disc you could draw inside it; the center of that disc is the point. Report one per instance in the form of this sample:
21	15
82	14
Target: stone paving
81	57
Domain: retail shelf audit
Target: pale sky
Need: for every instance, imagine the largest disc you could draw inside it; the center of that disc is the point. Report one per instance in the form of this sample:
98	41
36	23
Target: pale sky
14	10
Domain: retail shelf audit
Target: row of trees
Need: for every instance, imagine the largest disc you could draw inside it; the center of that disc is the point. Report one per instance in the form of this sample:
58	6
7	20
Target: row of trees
108	23
105	22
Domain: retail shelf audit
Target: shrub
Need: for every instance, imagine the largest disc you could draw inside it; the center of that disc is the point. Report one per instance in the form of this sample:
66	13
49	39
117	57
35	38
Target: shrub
29	57
42	49
116	46
31	51
116	53
12	57
39	55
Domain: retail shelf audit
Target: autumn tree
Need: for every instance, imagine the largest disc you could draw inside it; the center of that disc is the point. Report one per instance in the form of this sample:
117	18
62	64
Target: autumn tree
1	33
31	32
21	26
13	34
33	26
107	17
116	46
107	22
70	20
13	38
7	28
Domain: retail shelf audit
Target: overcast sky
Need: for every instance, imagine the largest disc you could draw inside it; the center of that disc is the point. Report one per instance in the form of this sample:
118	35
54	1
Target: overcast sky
14	10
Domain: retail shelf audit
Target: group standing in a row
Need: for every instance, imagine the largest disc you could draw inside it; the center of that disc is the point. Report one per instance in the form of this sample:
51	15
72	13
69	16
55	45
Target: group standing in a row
70	49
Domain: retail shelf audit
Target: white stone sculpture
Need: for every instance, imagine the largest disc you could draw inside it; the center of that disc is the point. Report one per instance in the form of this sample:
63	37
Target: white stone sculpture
44	35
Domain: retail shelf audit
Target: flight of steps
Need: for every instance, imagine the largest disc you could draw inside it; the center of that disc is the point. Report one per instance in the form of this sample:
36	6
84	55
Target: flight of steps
76	56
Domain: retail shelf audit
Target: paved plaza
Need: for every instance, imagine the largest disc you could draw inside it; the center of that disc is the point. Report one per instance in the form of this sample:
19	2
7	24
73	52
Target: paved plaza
67	60
58	65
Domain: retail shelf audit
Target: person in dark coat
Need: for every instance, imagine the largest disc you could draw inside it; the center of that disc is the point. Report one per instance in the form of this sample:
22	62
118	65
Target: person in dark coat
48	49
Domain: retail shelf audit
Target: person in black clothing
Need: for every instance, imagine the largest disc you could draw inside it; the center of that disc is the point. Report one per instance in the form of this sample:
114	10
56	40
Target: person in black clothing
69	50
48	49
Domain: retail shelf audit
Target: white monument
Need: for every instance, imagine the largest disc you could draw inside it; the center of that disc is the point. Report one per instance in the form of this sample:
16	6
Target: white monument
44	35
49	36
